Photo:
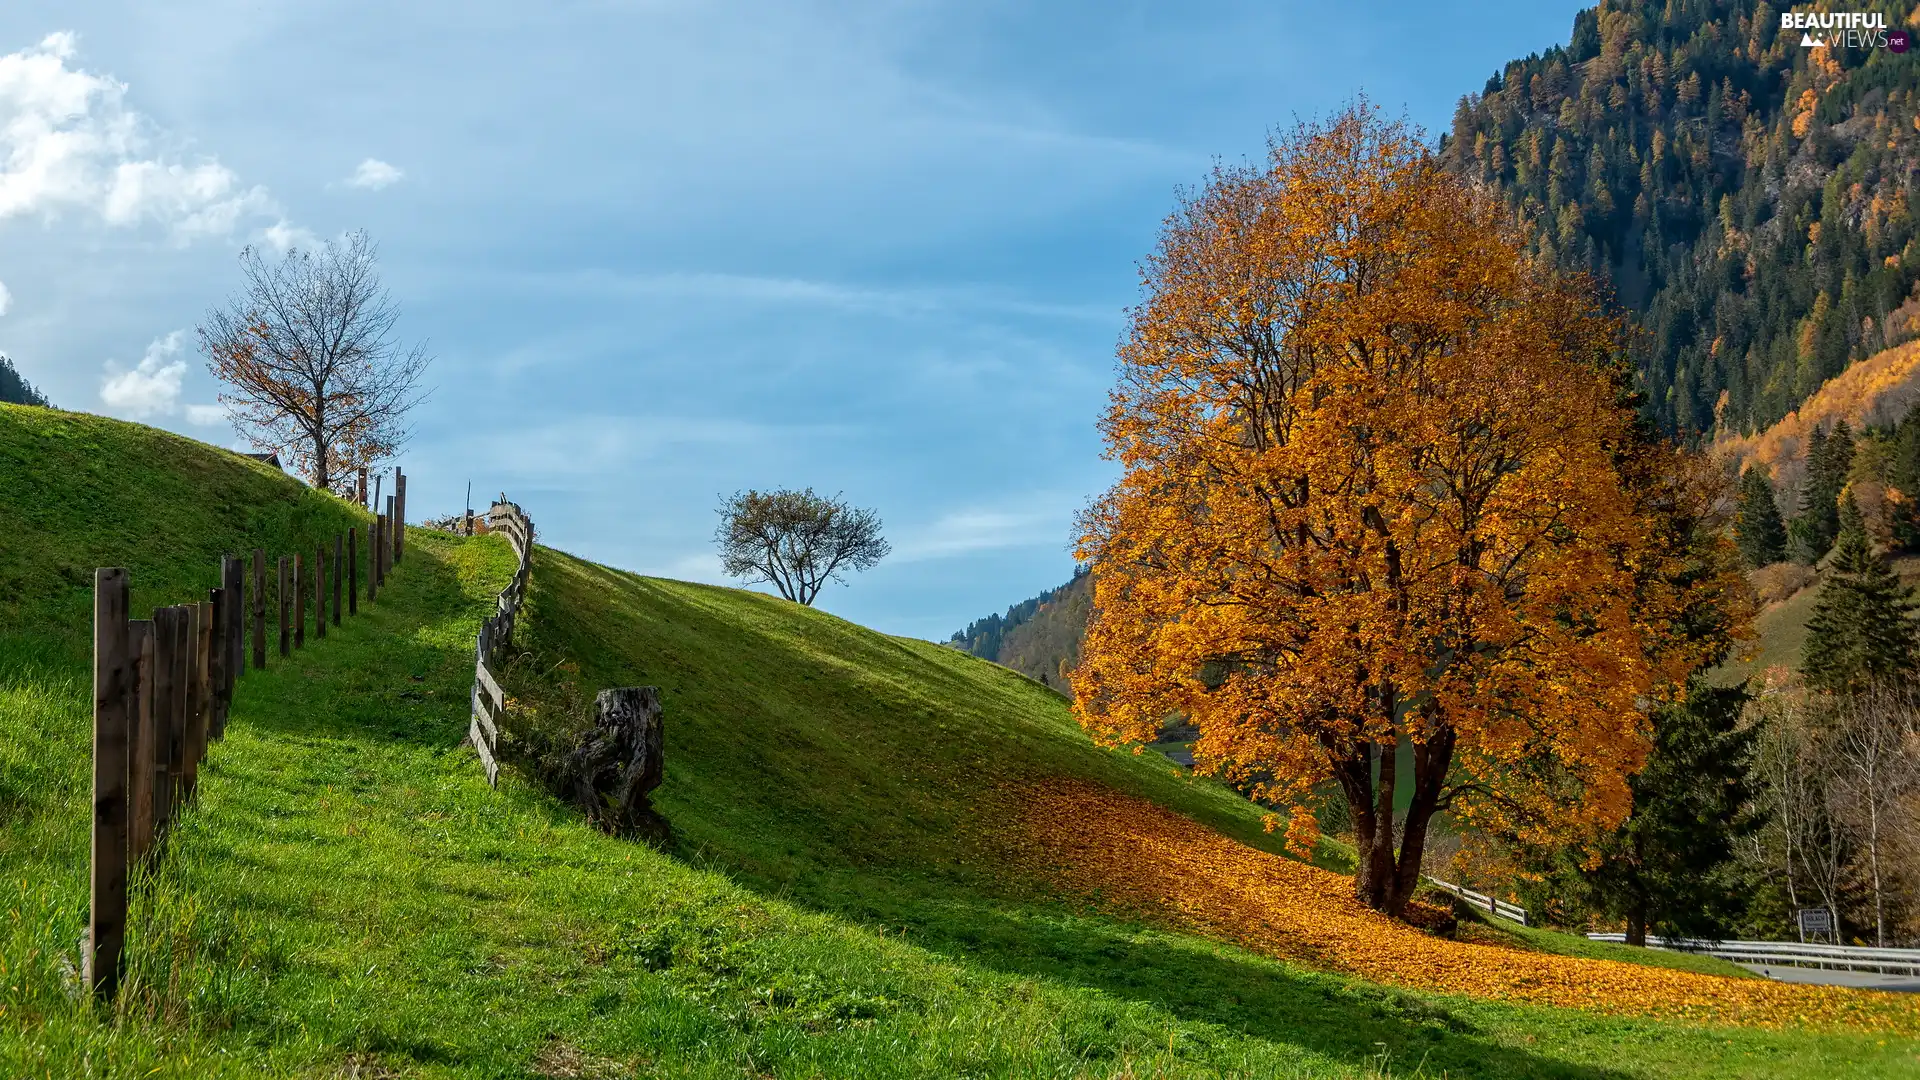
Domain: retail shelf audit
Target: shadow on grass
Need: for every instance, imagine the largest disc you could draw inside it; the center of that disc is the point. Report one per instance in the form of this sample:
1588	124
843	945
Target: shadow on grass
1344	1019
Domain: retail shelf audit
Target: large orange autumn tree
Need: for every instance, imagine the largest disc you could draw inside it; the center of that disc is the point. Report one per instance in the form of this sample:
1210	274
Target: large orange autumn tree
1379	492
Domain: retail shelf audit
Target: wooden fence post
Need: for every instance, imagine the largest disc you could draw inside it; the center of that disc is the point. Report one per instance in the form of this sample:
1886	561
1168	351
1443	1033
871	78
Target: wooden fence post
353	571
166	702
286	608
373	559
392	547
203	649
216	661
320	591
259	608
112	680
338	570
194	717
140	759
399	514
299	601
182	706
236	643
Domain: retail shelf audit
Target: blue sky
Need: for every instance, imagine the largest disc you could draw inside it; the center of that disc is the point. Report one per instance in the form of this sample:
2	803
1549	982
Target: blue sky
668	250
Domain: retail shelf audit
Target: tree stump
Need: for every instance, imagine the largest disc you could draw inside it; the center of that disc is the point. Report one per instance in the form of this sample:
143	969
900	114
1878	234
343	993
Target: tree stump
614	767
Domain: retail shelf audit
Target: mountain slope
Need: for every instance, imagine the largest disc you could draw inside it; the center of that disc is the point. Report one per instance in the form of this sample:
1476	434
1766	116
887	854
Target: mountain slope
1039	637
1749	200
350	899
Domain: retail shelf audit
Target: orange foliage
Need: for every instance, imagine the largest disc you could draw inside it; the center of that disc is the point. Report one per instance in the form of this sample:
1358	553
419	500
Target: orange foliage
1373	497
1875	390
1143	859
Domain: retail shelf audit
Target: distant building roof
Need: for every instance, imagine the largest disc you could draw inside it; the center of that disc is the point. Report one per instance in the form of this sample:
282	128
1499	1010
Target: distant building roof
271	459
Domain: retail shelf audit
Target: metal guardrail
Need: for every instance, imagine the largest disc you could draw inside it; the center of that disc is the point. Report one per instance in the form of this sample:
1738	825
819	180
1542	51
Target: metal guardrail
1791	953
1492	905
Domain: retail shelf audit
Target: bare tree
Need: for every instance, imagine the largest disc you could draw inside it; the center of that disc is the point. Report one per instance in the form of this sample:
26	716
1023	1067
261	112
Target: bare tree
796	540
1799	794
307	353
1877	774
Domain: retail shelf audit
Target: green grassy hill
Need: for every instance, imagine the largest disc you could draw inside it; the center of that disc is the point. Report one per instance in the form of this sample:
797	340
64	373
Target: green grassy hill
1780	629
349	899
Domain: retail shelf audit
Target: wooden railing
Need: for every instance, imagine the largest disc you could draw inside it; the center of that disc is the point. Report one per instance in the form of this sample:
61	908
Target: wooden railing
1491	905
489	701
162	689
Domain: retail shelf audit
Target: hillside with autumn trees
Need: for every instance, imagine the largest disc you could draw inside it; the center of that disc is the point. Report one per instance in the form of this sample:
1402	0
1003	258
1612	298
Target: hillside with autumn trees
1748	200
1744	204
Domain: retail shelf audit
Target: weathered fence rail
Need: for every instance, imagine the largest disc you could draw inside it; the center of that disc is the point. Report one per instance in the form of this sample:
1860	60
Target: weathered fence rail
489	701
1791	953
1490	905
162	689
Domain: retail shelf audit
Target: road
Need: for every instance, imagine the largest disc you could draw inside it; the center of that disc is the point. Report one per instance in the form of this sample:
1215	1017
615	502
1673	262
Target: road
1866	980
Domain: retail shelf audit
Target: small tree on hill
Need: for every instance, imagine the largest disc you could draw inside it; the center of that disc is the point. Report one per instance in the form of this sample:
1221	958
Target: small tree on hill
796	541
307	353
1759	530
1861	632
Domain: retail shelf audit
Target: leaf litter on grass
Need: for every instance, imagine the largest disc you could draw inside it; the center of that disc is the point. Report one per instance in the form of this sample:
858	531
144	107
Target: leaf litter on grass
1136	856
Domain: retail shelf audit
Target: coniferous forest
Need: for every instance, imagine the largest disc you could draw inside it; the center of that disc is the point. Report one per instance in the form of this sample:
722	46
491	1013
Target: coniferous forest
1748	200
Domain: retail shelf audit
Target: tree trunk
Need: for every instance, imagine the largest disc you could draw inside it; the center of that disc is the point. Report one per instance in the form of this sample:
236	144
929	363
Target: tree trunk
620	761
322	476
1637	923
1388	874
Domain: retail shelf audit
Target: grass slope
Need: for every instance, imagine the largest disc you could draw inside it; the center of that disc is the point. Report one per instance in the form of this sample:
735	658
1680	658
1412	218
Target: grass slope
1780	629
350	899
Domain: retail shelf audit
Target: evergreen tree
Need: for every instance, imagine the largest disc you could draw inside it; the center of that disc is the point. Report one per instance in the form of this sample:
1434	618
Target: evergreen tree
1861	631
1758	529
1903	474
1669	868
1817	526
15	389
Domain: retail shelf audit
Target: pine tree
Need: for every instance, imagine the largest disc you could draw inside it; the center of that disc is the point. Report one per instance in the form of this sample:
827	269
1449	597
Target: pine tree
1667	869
1759	531
1903	473
15	389
1815	528
1861	631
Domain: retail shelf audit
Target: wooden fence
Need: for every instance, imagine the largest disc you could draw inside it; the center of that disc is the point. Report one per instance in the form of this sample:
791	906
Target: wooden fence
1490	905
489	702
162	688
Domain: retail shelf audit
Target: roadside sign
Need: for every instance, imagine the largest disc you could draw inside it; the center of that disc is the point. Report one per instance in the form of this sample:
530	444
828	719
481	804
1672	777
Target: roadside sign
1816	920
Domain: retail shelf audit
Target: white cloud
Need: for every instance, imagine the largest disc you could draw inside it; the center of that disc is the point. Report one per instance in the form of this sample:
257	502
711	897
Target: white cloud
6	299
374	174
70	143
1042	519
206	415
282	235
153	387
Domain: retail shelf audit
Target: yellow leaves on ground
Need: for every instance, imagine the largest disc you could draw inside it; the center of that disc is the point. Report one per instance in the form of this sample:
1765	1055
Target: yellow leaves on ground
1141	857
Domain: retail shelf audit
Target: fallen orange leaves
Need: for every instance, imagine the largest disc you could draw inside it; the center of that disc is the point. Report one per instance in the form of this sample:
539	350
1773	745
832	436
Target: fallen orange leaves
1146	858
